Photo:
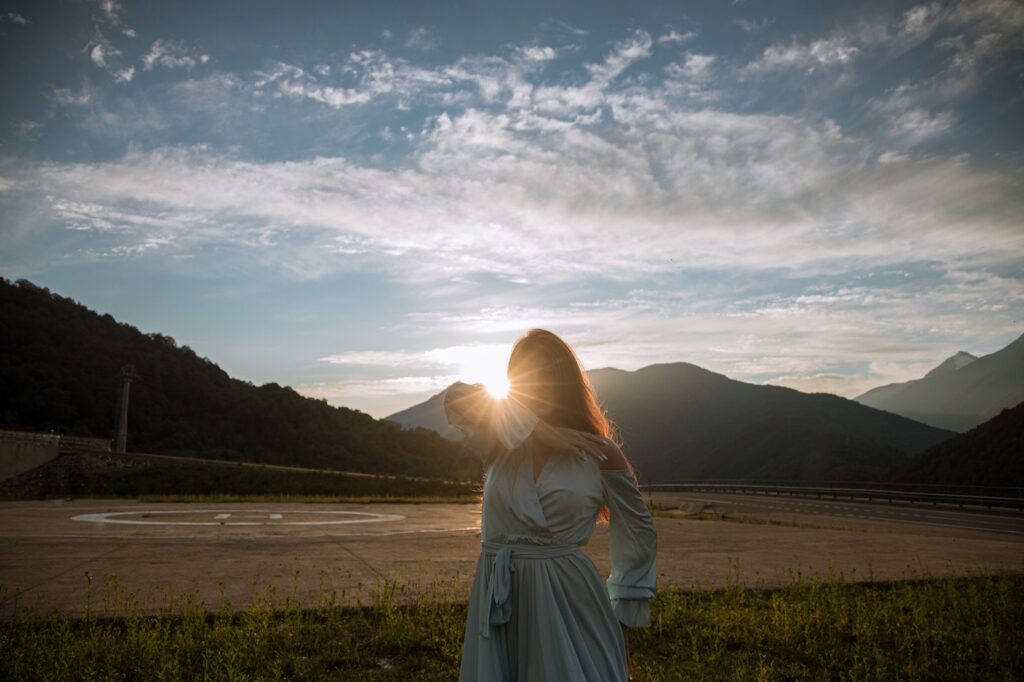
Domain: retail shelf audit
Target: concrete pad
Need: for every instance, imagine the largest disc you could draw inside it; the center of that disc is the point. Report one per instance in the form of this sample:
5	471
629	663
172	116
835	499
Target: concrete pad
432	548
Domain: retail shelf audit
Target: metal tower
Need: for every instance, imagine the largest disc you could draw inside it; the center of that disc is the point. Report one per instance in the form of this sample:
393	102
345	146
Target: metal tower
127	374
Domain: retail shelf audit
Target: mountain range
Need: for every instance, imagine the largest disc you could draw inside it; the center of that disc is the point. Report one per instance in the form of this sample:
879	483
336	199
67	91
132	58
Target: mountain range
960	393
60	361
680	421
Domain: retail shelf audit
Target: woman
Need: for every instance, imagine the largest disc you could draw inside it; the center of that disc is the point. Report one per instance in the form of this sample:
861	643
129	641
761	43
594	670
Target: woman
539	610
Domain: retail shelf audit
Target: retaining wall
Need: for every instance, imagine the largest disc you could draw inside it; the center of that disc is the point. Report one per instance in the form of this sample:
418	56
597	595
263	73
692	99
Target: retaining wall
17	458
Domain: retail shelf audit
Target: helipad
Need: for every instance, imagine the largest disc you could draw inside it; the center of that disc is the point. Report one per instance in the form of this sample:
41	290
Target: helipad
78	555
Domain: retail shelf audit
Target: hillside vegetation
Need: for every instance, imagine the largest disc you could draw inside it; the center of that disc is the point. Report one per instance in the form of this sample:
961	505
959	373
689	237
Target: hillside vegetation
59	370
990	455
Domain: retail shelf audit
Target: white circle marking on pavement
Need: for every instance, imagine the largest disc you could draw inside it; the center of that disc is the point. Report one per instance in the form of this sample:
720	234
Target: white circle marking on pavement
272	517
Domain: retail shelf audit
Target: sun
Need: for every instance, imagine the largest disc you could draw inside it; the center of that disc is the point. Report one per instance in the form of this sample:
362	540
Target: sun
485	365
497	386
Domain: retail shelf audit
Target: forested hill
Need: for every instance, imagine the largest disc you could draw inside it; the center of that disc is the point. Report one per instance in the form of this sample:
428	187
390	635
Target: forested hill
991	455
59	370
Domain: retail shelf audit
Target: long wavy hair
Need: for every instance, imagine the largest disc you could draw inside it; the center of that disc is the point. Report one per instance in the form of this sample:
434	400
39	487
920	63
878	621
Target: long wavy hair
545	374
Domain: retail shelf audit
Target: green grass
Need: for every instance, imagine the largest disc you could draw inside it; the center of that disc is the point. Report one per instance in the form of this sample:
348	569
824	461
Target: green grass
815	628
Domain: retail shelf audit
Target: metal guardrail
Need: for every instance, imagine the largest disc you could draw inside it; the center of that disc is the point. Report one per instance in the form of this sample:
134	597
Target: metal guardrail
835	492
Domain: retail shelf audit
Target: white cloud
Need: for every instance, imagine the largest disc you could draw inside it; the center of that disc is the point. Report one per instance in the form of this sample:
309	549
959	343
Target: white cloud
905	121
673	36
25	130
822	52
15	18
920	19
534	180
450	357
100	52
537	53
624	54
111	9
983	33
541	182
753	25
379	397
110	13
85	97
421	38
880	331
971	59
731	190
104	55
291	81
171	55
375	74
343	391
694	67
576	100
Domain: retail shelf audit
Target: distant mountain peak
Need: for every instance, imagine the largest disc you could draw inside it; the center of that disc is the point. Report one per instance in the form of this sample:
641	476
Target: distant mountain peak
958	361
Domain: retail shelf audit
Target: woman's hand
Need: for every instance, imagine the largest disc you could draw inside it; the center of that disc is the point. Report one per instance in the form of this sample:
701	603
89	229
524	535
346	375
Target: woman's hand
467	405
579	444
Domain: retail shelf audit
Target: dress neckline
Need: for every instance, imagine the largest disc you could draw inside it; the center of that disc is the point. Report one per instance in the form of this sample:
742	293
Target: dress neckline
543	468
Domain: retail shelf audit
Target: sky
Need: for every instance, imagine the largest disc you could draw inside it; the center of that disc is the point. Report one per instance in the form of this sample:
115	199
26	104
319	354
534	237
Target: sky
368	201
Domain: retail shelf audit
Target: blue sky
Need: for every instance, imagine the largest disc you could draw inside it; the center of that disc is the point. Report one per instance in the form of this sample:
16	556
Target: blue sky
366	201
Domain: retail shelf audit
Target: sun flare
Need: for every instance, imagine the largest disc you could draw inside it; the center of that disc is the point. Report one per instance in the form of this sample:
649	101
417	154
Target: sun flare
497	387
485	365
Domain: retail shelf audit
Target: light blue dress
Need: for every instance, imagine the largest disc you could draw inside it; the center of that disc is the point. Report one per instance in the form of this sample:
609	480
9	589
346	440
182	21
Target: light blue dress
538	608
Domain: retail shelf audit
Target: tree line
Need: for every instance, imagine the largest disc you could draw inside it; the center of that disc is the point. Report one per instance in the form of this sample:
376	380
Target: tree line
60	366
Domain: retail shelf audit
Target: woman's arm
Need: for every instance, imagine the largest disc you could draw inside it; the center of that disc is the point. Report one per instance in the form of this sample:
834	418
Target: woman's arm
633	544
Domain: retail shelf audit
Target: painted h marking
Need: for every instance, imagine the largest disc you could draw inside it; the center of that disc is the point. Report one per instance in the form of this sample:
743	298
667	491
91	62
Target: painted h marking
221	517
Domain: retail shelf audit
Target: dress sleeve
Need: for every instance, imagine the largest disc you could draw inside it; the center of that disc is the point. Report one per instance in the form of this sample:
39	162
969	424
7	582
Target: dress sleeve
634	545
487	422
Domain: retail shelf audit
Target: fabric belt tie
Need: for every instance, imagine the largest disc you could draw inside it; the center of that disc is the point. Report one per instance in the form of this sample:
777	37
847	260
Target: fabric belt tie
495	606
